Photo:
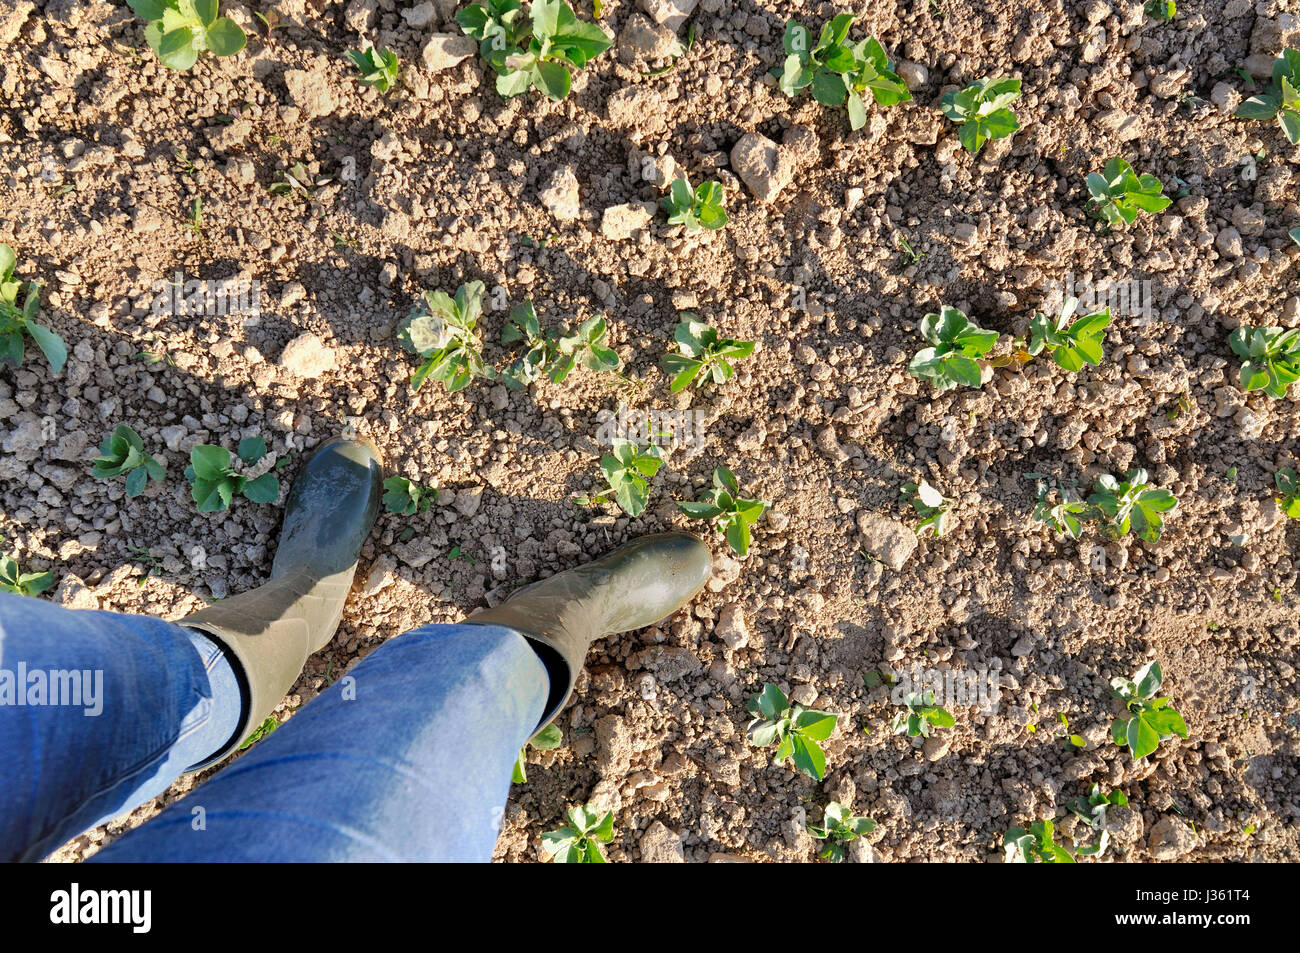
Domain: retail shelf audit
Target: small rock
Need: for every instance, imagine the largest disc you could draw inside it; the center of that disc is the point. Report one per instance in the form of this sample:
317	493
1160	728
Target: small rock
468	500
445	50
887	539
620	221
307	356
659	845
560	197
731	627
760	164
1170	839
310	91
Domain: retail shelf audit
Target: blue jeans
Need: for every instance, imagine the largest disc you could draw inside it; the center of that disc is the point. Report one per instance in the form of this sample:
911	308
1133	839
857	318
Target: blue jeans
407	757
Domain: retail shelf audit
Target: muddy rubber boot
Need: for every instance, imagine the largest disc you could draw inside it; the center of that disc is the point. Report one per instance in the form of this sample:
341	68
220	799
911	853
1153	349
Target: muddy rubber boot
636	585
269	632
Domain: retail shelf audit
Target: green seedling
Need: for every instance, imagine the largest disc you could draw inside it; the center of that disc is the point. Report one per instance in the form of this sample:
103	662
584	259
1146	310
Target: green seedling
260	732
297	180
795	730
955	344
1057	507
839	827
539	348
1035	846
1119	194
1072	342
627	469
701	355
1288	484
585	346
405	498
1133	502
839	72
921	717
698	208
214	483
1271	358
1073	740
929	504
1162	10
443	332
1148	720
123	452
1092	810
981	108
538	54
377	66
546	739
194	220
729	512
15	320
578	842
179	30
13	579
1282	98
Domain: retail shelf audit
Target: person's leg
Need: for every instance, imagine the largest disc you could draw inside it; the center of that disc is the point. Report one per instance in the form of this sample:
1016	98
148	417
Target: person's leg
406	758
99	712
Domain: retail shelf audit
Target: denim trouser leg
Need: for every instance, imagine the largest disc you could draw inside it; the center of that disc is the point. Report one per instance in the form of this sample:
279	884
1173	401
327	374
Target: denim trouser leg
99	713
408	757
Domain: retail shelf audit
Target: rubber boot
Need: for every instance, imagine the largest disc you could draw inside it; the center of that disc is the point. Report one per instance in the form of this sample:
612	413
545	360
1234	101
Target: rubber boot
638	584
270	631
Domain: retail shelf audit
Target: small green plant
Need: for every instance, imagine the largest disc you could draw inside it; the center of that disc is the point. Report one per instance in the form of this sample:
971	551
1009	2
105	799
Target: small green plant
559	42
981	108
701	355
1288	484
1057	507
1035	846
627	469
179	30
585	346
443	332
955	344
1133	502
1271	358
214	483
795	730
839	827
921	717
405	498
1072	342
377	66
929	504
260	732
297	182
123	452
1282	98
578	842
546	739
839	72
194	220
13	579
730	513
1163	10
698	208
1119	194
539	348
1092	811
15	321
1147	720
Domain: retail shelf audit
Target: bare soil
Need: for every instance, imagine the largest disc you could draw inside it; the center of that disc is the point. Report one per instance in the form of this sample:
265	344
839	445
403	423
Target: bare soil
103	152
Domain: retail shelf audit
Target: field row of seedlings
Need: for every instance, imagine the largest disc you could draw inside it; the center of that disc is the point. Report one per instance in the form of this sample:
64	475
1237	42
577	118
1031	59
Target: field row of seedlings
837	287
